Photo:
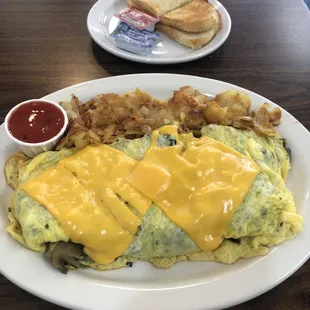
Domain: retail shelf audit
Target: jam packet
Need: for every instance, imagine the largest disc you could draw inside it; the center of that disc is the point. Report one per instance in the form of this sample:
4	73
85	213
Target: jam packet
137	19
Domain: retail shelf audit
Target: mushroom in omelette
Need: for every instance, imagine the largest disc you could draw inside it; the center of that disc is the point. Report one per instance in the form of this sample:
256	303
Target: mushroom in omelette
203	182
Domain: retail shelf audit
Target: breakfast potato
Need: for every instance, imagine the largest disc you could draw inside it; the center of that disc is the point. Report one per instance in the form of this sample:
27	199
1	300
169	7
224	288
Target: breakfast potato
215	114
78	136
71	108
79	140
237	103
264	120
109	117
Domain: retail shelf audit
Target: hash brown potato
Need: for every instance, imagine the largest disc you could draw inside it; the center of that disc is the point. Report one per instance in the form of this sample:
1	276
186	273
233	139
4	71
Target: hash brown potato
108	117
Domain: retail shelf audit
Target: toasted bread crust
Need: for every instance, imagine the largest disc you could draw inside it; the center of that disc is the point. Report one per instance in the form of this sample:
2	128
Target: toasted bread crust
197	16
192	40
130	3
159	7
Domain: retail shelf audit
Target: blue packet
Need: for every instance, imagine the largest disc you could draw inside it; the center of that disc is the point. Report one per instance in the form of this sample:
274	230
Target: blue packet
134	40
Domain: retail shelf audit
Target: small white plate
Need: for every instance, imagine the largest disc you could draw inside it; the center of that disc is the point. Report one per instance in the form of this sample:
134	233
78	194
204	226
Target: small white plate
101	23
187	285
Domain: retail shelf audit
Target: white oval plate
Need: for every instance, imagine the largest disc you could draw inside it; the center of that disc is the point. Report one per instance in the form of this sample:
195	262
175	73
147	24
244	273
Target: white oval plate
187	285
101	23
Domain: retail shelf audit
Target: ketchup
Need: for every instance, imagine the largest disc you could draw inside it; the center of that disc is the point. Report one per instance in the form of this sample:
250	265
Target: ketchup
35	122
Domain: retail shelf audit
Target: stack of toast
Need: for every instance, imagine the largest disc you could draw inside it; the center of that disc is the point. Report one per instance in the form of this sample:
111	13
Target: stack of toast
192	23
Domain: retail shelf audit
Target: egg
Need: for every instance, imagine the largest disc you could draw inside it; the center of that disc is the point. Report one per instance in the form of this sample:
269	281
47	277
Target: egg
266	217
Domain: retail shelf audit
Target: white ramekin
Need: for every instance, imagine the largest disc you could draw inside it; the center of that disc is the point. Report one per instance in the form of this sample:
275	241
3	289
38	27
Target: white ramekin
33	149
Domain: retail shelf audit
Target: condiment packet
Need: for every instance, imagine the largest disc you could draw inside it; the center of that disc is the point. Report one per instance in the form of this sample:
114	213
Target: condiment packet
137	19
134	40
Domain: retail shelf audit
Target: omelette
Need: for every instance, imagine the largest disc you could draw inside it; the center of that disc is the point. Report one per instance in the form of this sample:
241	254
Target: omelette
153	229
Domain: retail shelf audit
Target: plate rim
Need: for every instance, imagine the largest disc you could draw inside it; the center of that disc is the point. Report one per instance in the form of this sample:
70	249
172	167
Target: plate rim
236	300
144	59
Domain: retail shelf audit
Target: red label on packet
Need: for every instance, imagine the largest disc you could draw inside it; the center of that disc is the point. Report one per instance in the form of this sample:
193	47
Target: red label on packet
137	18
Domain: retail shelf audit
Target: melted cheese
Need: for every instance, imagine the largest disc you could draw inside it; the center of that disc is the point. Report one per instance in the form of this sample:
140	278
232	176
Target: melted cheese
79	193
198	183
101	165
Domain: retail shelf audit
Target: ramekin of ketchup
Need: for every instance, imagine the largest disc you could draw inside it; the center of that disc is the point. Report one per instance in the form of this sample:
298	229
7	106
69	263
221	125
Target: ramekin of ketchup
36	125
